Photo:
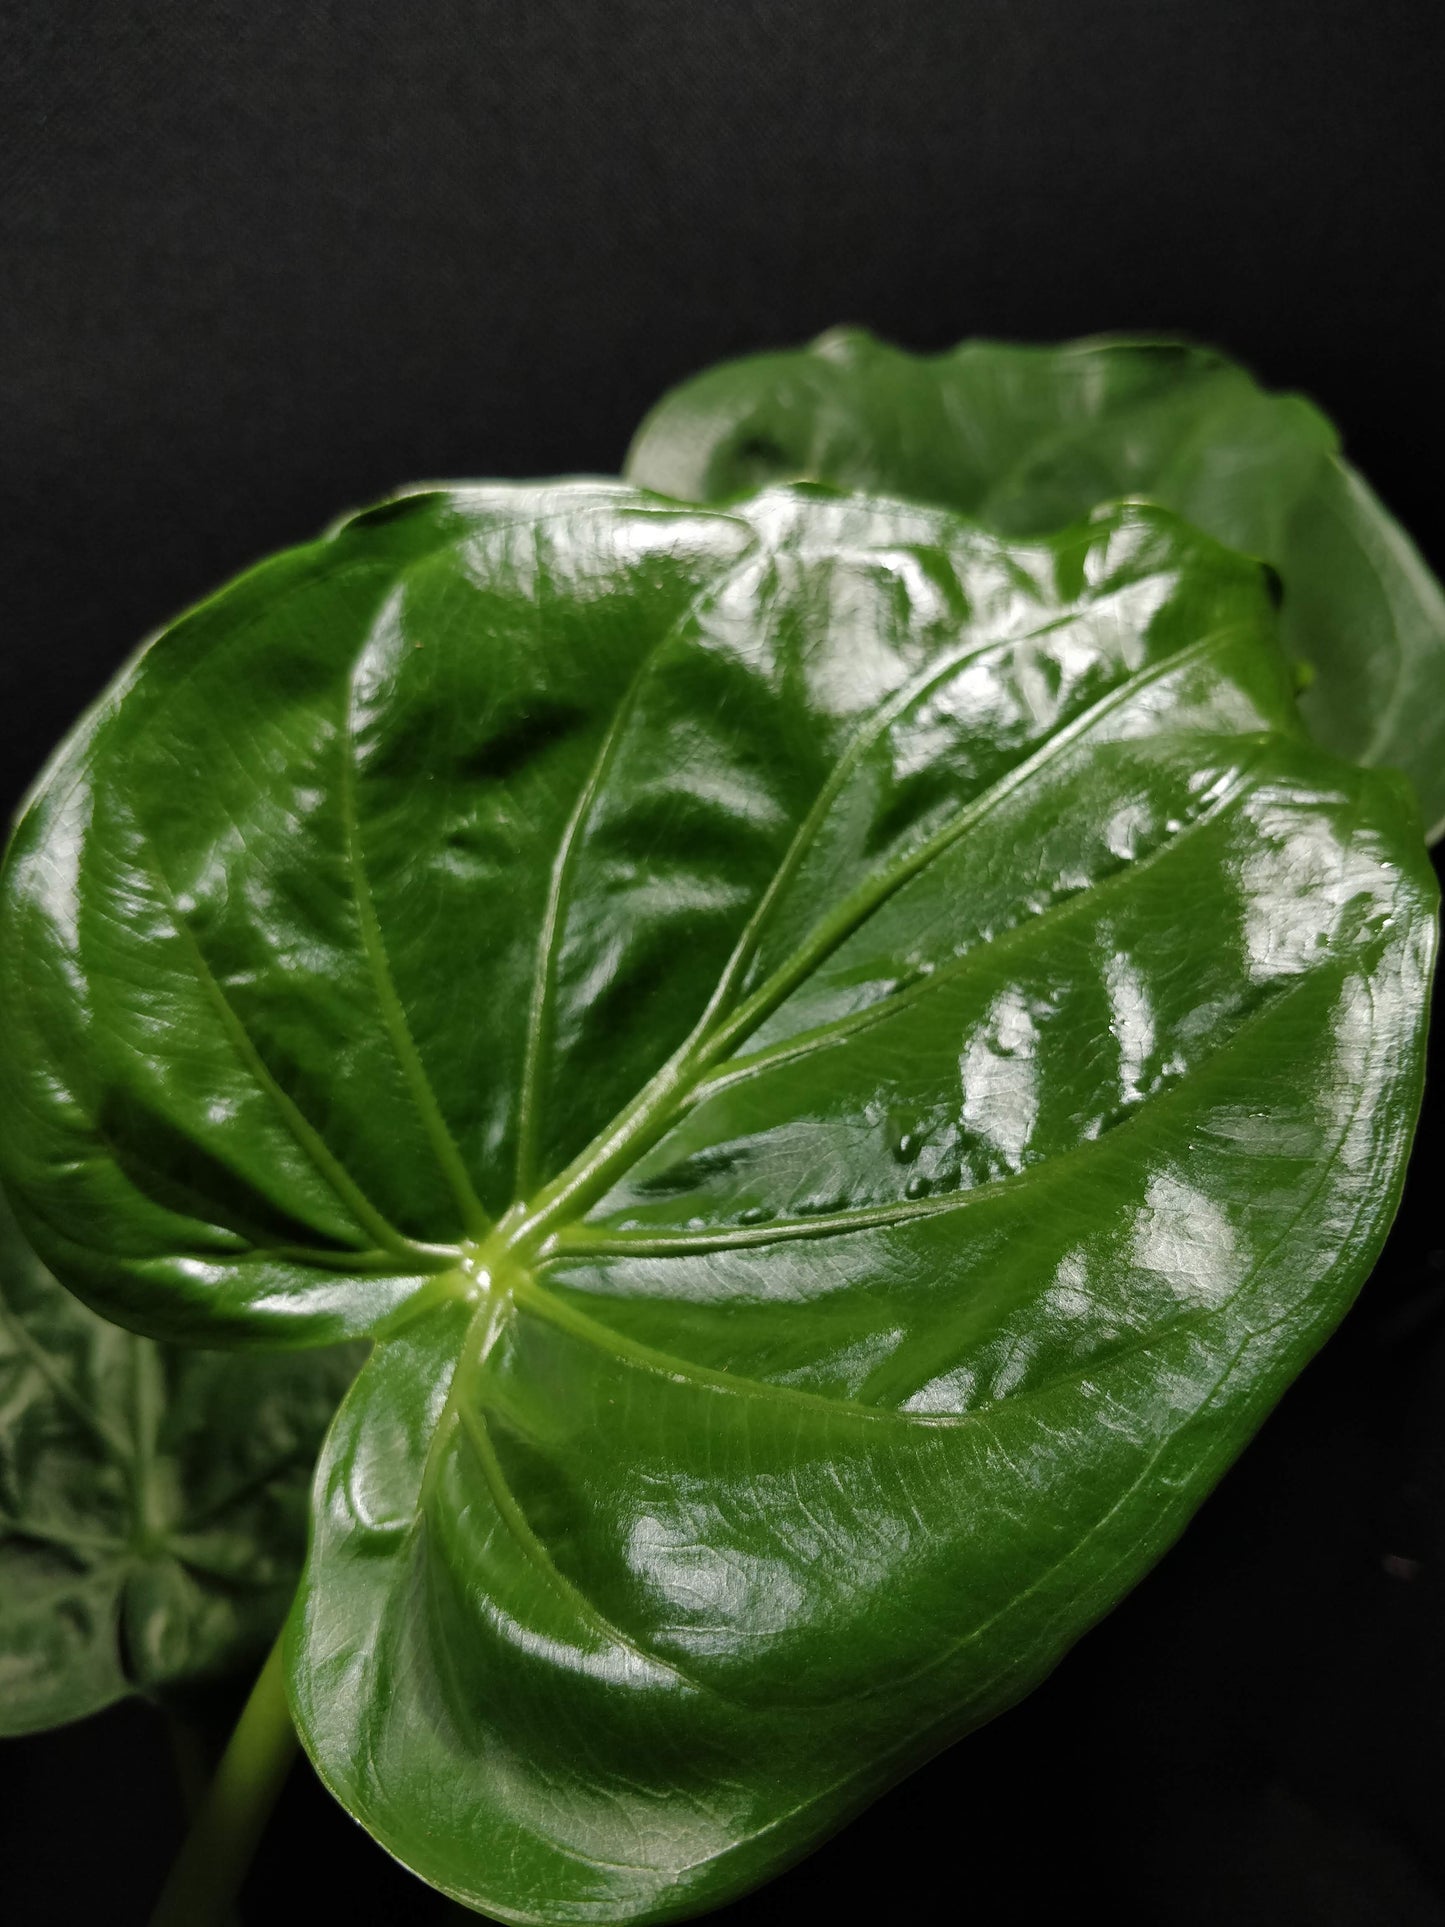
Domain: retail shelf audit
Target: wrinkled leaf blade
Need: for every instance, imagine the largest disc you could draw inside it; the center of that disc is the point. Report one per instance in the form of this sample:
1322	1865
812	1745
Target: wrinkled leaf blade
1027	439
152	1503
934	1049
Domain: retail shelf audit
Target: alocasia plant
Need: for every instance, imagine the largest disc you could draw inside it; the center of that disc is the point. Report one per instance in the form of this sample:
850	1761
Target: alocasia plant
1027	439
842	1060
152	1500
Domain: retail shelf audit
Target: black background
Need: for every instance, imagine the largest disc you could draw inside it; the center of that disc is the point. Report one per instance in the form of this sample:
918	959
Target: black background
265	261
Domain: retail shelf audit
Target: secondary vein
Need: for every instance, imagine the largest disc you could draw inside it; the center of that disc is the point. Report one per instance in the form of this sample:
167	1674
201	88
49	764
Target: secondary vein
307	1138
822	1036
113	1439
833	930
656	1107
475	1428
475	1218
540	1005
579	1239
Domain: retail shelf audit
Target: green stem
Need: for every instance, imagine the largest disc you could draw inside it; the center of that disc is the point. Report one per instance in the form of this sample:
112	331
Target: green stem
195	1763
212	1864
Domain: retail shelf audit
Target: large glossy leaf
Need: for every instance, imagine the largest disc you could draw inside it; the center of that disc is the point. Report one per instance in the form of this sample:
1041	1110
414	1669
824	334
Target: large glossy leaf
846	1062
152	1501
1027	439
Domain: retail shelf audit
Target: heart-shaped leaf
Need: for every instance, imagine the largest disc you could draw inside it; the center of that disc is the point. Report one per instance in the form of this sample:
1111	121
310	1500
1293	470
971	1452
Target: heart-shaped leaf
1027	439
152	1501
845	1061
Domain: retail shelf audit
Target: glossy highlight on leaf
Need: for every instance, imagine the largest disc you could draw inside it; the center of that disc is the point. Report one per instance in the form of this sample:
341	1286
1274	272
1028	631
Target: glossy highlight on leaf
152	1501
1027	439
844	1061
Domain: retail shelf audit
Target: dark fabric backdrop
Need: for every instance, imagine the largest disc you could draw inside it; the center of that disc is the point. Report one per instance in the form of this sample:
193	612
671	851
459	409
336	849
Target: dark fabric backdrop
263	261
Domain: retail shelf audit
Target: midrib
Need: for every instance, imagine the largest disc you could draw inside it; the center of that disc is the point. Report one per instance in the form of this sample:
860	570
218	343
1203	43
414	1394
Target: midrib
720	1031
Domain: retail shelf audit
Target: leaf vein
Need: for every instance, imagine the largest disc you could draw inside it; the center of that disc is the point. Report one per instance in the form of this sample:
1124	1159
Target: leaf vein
445	1148
303	1132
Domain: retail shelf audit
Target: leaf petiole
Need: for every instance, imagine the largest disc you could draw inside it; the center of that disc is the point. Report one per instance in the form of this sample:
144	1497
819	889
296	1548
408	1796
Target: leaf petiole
217	1852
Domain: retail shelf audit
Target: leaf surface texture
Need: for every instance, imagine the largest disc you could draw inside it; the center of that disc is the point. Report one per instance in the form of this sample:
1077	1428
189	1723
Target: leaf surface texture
153	1500
843	1059
1025	439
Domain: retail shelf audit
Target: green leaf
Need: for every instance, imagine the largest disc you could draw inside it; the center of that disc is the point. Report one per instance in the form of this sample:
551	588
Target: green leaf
152	1502
1027	439
844	1060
